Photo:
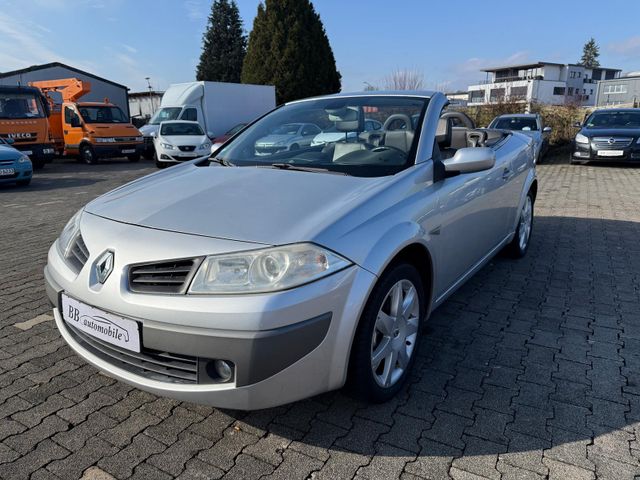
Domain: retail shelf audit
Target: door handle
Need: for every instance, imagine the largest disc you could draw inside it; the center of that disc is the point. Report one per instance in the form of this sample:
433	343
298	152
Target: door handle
506	174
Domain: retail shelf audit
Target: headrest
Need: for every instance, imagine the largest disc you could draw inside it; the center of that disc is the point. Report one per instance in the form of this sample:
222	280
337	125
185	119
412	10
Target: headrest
443	132
347	119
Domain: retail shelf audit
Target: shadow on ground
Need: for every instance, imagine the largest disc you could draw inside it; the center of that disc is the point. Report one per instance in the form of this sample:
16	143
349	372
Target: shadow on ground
530	354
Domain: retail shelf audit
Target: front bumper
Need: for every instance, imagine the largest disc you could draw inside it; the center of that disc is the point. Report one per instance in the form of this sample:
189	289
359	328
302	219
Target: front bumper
117	150
39	152
588	152
22	171
285	346
166	157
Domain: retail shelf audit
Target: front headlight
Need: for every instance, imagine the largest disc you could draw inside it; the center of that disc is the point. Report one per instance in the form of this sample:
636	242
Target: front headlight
105	140
638	141
168	146
138	139
580	138
23	159
267	270
69	233
205	146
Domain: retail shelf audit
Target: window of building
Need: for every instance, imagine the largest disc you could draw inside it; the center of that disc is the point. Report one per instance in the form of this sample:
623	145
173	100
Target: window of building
570	91
476	96
558	90
572	74
611	89
519	92
496	94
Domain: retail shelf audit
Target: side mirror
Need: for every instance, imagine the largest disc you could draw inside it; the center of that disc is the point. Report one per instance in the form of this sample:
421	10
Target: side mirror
154	134
210	135
10	141
471	159
75	122
577	125
547	130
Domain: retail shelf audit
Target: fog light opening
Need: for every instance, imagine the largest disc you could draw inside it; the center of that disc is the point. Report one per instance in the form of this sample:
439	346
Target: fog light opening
223	369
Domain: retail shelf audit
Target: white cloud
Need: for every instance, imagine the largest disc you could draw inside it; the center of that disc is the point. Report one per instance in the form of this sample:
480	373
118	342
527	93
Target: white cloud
22	45
469	72
196	10
129	48
629	47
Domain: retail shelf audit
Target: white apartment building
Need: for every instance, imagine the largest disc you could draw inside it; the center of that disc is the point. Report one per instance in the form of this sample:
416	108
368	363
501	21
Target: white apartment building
541	82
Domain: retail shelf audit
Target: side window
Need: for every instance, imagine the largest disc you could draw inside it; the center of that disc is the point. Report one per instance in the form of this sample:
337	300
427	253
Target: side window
310	130
69	115
190	114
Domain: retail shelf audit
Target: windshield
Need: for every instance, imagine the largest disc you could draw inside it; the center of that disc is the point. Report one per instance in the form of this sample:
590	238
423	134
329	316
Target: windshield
164	114
359	152
614	120
20	105
236	129
515	123
181	128
103	114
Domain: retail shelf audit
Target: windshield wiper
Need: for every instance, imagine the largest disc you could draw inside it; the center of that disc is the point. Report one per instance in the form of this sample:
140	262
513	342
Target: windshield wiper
221	161
300	168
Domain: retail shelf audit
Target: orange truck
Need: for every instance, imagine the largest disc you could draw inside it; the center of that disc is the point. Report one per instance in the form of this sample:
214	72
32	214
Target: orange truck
24	113
88	130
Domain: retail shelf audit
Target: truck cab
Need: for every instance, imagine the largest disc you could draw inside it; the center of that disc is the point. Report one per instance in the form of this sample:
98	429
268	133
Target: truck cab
89	130
24	113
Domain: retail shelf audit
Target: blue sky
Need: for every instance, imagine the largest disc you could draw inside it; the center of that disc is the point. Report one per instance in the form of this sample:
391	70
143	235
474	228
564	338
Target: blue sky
448	42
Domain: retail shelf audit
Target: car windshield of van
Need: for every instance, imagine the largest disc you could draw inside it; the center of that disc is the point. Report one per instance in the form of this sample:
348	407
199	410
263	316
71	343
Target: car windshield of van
614	120
164	114
103	114
181	129
284	138
516	123
20	105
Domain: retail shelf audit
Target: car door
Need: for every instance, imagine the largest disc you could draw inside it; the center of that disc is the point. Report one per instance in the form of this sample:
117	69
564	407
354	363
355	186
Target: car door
472	209
71	128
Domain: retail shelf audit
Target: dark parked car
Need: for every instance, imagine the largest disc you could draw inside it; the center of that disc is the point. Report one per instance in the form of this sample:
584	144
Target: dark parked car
608	135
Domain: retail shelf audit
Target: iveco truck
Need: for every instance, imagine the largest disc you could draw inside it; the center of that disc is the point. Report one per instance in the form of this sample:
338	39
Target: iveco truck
24	113
216	106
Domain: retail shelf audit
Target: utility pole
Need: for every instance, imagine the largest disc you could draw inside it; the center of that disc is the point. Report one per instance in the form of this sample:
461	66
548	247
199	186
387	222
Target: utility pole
150	95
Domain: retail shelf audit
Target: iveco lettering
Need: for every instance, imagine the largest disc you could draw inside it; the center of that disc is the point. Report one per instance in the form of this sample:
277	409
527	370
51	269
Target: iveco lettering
260	276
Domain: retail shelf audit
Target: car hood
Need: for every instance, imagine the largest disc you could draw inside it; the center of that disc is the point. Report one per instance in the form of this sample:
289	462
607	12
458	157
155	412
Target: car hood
9	153
179	140
114	129
147	130
273	139
611	132
249	204
327	137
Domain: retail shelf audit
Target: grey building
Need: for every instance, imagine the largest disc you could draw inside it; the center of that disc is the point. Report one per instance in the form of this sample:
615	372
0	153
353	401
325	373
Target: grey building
143	105
101	88
622	91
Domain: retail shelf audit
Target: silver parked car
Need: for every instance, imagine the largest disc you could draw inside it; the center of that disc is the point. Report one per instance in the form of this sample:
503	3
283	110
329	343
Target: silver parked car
246	281
290	136
530	124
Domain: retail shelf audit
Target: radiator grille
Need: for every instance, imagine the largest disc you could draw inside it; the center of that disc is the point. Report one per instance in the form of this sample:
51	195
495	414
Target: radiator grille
163	277
611	143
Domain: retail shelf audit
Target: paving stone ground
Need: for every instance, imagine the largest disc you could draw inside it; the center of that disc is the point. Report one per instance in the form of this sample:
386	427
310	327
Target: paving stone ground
530	371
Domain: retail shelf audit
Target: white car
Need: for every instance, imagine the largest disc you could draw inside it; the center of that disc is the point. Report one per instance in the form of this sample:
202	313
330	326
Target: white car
332	134
180	141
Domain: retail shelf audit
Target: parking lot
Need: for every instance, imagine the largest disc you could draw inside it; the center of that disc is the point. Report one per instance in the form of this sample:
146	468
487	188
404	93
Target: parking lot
531	370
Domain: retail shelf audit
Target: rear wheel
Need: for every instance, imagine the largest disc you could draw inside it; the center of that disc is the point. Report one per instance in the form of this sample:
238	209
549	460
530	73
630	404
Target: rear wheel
520	243
385	345
88	155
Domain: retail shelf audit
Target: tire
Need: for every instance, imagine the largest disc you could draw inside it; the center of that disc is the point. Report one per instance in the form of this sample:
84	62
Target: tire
88	155
378	380
294	147
23	183
38	163
134	158
520	243
159	164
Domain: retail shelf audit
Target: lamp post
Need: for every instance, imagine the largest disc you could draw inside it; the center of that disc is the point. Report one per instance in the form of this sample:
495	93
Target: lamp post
150	95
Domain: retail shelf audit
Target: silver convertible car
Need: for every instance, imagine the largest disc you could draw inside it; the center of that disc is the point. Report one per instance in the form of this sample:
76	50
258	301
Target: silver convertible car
246	281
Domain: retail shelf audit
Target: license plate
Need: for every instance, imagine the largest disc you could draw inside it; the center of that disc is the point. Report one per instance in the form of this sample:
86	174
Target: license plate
4	172
102	325
130	150
610	153
27	152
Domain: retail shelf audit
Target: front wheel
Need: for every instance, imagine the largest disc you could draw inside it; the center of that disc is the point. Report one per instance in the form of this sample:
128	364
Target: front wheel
520	243
386	341
87	155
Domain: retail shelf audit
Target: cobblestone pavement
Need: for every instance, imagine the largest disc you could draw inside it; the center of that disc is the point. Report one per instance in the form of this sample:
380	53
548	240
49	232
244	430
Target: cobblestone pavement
532	370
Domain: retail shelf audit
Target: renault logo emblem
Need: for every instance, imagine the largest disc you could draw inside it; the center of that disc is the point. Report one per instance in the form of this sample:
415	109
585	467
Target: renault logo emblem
612	141
104	266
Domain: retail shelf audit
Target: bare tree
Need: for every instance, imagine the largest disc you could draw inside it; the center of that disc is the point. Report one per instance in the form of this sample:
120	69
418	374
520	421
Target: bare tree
404	80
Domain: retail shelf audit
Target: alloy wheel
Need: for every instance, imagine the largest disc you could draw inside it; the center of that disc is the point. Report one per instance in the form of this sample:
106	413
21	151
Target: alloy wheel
524	230
395	333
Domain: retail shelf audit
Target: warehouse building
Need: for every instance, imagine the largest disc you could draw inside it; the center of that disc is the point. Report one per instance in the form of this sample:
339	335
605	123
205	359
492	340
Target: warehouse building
101	88
620	92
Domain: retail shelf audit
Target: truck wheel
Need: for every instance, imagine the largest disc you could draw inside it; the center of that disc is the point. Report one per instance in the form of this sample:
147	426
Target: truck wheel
386	341
87	155
38	163
520	243
134	158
